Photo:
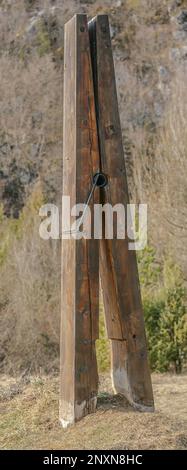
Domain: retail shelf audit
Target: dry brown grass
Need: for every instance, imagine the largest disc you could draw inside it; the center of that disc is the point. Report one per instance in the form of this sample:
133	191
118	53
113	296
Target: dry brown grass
30	417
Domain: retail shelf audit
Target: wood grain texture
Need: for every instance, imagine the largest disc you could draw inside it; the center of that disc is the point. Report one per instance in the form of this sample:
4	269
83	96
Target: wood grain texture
118	265
80	258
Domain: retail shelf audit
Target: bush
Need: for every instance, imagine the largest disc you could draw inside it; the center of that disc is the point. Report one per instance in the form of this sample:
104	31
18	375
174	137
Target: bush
30	294
165	315
149	269
172	342
152	310
102	344
43	41
164	301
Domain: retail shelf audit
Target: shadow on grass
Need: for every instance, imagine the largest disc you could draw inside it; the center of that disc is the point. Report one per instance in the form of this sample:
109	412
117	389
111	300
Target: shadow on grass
109	401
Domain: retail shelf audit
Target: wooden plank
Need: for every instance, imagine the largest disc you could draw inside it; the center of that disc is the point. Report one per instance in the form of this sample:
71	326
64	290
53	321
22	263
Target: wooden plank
80	269
118	267
113	320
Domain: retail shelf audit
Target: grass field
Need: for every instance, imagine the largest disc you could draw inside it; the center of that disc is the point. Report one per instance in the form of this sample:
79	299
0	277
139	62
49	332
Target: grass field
29	417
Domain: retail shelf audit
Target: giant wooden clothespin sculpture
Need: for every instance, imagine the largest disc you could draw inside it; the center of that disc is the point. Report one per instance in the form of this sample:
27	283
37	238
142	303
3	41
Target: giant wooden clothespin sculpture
92	146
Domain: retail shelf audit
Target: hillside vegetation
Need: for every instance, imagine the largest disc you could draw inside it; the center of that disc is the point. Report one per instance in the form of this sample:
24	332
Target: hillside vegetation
149	42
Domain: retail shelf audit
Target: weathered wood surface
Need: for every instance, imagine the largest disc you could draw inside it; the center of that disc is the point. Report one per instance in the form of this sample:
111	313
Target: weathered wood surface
118	265
80	258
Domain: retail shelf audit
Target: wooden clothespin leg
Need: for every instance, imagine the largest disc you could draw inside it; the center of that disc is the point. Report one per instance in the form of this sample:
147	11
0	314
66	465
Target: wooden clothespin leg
118	265
80	258
92	142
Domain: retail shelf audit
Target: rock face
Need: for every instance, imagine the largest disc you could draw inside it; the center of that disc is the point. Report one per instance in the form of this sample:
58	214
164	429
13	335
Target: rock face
149	45
31	4
182	19
179	54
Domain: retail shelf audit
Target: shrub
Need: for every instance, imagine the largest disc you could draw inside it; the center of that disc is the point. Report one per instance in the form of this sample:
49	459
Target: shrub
43	41
152	311
30	295
165	312
102	344
149	269
172	342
